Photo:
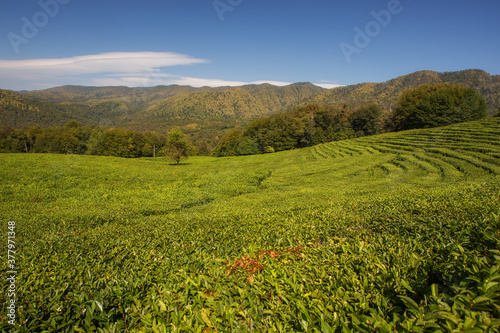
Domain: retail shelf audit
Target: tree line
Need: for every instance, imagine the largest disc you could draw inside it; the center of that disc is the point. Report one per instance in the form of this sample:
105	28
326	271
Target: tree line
422	107
93	140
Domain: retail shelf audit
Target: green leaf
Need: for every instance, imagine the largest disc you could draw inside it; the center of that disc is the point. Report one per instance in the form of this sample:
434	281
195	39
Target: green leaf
469	323
409	302
205	317
163	307
406	285
481	299
489	285
434	289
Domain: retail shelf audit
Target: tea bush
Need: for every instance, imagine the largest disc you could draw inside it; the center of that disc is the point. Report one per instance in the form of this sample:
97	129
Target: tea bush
395	232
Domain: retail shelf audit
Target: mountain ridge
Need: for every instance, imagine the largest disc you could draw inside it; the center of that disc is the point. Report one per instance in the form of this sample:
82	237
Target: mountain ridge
162	107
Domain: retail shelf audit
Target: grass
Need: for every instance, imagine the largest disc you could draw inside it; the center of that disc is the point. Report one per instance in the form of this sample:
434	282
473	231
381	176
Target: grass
397	232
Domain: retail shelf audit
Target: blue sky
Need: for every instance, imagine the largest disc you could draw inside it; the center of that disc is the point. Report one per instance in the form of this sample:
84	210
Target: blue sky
47	43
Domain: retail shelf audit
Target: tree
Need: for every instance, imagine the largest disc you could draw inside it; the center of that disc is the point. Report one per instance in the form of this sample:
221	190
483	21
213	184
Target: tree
177	145
438	105
366	120
228	144
498	113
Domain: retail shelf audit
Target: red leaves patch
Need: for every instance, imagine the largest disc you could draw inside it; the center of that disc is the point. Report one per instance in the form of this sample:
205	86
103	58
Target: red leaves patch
252	264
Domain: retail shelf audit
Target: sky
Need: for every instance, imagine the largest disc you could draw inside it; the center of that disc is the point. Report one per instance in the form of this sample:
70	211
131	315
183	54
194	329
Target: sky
48	43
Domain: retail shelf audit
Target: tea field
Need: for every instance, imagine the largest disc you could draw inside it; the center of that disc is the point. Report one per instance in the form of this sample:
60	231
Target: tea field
391	233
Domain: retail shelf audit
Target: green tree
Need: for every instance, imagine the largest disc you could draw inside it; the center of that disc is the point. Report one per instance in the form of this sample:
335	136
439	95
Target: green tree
366	120
228	144
56	140
177	147
438	105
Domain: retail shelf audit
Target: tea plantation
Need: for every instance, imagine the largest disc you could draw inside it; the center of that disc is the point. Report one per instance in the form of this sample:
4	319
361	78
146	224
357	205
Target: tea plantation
390	233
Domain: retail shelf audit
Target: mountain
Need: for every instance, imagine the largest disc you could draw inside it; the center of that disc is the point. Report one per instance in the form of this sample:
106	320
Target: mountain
21	112
387	93
156	108
211	109
246	102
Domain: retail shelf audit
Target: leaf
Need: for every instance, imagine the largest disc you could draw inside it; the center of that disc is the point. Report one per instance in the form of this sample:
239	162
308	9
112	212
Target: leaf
469	323
481	299
99	305
409	302
406	285
205	318
489	285
435	291
163	307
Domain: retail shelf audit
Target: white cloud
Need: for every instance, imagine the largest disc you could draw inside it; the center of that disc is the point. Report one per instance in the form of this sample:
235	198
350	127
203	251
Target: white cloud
43	73
132	69
116	62
328	85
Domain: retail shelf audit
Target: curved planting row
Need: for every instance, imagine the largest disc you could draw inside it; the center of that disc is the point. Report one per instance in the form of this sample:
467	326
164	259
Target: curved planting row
455	151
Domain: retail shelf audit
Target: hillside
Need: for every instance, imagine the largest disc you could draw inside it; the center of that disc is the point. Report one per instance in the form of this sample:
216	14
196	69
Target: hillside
211	109
145	107
21	112
394	232
246	102
387	93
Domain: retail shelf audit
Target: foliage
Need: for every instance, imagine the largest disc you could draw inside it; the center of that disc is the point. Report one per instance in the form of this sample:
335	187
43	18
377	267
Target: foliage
299	128
386	94
395	232
76	139
438	105
366	120
177	147
235	144
206	114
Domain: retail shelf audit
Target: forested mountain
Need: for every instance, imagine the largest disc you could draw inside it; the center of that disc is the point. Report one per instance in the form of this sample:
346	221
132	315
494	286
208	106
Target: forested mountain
211	109
387	93
20	112
84	94
150	108
236	103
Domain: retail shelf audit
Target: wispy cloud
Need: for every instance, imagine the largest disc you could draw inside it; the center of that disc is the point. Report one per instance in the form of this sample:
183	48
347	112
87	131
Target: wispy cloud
132	69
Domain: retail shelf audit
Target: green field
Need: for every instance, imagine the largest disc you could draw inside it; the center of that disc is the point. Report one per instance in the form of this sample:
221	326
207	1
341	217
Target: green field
396	232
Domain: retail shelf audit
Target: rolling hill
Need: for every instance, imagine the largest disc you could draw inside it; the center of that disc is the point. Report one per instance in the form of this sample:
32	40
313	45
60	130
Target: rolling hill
391	233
